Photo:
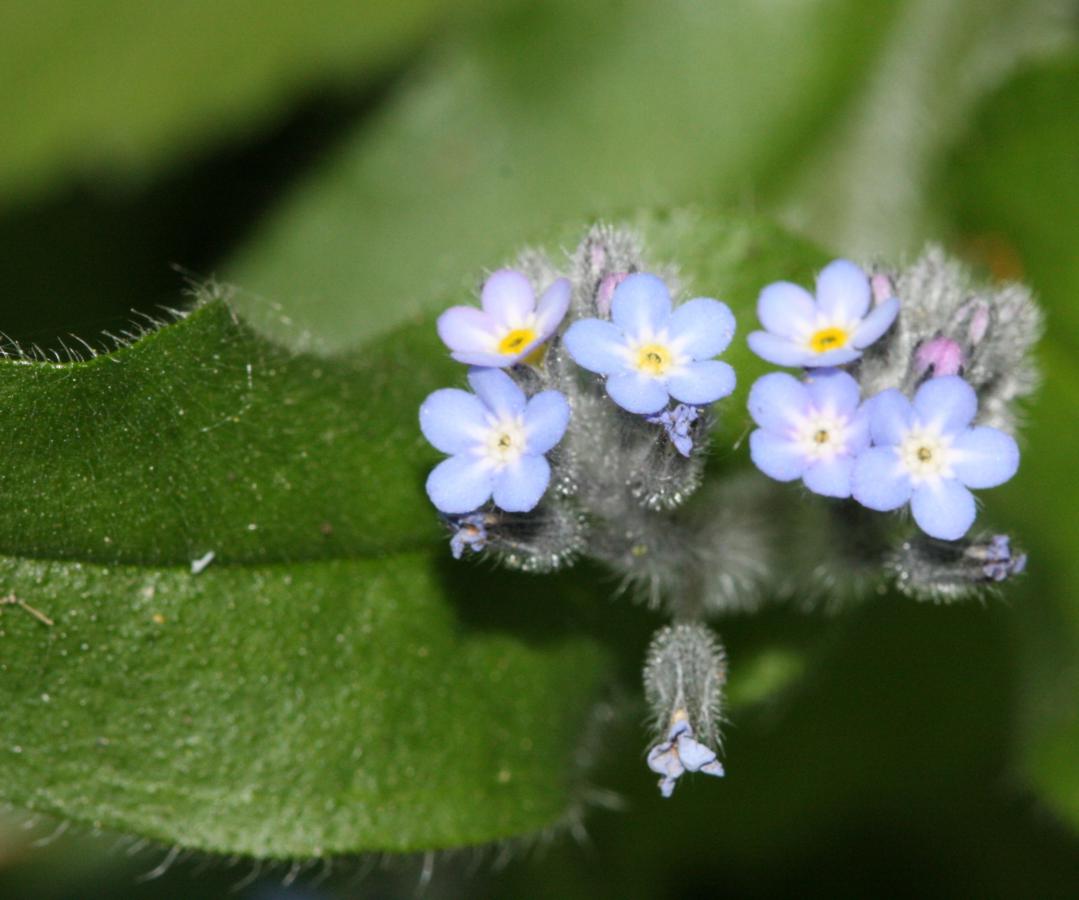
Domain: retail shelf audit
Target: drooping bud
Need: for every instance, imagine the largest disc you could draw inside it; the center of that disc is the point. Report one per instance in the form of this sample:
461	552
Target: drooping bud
943	571
683	682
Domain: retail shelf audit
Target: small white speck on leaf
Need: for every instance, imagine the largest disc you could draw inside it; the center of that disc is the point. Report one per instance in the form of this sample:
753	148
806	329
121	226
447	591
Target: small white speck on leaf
199	565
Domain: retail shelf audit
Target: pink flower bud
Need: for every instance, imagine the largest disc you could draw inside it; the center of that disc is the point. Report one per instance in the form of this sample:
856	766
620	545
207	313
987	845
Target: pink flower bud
605	292
882	288
941	355
979	323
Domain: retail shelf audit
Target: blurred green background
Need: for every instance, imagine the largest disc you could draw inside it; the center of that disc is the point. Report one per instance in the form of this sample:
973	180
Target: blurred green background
348	165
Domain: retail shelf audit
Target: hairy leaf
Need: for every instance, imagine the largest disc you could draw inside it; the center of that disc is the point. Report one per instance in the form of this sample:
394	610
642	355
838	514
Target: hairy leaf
312	690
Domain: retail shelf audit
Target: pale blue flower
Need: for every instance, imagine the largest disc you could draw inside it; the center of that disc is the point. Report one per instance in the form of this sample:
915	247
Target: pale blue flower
511	323
811	430
681	752
496	439
650	353
678	423
830	330
470	532
927	454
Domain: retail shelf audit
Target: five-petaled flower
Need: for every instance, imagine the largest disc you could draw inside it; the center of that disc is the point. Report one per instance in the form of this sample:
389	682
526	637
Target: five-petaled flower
496	439
926	453
650	353
511	324
681	752
812	430
831	330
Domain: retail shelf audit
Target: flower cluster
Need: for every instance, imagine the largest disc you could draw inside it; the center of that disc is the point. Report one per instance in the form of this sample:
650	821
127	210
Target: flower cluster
888	451
584	431
497	437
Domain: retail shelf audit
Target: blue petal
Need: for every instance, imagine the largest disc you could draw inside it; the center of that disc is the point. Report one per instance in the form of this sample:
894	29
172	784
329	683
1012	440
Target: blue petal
450	419
985	457
890	416
497	390
597	346
460	484
876	323
832	390
546	417
786	309
637	393
702	382
858	431
693	753
663	760
830	478
466	329
838	357
641	304
518	488
777	400
508	297
703	328
486	360
947	401
943	510
879	480
843	290
552	307
775	456
779	350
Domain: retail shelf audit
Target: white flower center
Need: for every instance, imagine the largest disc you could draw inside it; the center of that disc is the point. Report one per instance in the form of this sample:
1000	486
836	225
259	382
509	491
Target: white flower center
822	434
926	454
504	442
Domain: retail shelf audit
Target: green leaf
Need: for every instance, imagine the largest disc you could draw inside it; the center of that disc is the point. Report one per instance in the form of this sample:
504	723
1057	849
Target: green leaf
549	114
1014	195
331	681
310	692
120	86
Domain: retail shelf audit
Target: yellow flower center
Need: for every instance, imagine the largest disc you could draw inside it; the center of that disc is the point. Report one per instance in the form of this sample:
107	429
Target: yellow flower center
821	437
653	359
828	339
516	340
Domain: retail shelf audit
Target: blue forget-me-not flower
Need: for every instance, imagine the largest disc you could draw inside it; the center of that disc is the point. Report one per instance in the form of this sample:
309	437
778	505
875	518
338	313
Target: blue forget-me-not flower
650	353
811	430
927	454
830	330
496	439
511	323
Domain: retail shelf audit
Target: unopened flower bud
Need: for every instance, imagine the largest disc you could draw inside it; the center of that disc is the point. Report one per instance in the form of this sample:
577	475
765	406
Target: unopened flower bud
605	292
938	356
882	288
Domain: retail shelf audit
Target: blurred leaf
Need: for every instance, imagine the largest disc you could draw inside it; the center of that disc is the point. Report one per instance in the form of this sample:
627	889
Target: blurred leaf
331	682
550	113
1013	189
865	185
119	86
